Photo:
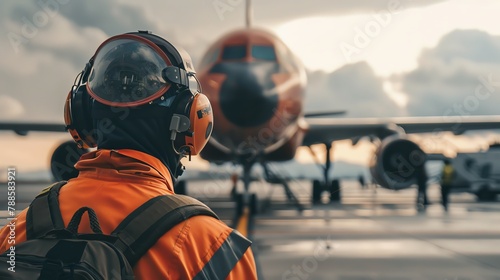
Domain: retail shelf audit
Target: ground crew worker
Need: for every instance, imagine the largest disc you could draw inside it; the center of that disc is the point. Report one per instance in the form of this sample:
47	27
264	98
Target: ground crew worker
135	103
422	199
361	180
446	181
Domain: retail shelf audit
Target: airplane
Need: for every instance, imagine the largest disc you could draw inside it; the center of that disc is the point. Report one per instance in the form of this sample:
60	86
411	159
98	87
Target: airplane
256	86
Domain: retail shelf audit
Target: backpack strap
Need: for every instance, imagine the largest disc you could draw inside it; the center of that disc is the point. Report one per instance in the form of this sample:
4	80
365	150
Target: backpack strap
144	226
44	214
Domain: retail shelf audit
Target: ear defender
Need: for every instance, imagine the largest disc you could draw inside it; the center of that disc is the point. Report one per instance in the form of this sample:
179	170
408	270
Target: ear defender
202	122
193	119
77	113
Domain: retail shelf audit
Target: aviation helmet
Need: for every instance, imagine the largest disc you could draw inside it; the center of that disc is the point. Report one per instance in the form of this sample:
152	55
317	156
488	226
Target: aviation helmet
141	69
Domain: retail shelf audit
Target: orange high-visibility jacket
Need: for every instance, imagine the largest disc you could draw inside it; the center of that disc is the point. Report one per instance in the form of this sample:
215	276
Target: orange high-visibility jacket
116	182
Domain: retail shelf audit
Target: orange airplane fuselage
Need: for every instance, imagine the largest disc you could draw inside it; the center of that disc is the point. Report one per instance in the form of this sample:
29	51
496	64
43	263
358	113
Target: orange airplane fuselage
256	87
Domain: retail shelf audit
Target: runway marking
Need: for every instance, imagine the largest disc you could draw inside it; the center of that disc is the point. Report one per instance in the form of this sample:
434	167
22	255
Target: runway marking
242	226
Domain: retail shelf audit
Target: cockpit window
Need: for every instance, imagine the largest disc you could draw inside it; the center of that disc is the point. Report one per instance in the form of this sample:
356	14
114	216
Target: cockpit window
264	53
234	52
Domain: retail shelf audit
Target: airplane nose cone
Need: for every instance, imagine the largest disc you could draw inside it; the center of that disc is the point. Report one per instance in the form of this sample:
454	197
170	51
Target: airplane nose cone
246	100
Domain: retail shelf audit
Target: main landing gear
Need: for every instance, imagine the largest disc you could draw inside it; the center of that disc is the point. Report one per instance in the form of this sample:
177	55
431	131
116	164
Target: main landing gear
247	203
333	187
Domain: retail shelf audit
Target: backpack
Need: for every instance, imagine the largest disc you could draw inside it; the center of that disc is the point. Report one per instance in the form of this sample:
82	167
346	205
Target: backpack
53	252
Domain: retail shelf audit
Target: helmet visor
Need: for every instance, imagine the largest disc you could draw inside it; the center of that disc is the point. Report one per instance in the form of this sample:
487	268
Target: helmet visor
127	72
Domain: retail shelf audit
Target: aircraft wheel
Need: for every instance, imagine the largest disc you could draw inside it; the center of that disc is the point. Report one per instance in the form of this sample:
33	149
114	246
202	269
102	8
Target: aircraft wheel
180	188
317	188
335	191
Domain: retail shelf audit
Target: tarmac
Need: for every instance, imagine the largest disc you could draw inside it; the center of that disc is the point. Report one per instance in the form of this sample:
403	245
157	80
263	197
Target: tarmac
371	234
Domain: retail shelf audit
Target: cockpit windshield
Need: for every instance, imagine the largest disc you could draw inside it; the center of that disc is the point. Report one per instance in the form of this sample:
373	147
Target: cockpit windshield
263	53
257	52
234	52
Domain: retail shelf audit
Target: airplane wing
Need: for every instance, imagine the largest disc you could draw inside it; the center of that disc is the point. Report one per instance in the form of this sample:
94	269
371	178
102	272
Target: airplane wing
24	128
327	130
324	114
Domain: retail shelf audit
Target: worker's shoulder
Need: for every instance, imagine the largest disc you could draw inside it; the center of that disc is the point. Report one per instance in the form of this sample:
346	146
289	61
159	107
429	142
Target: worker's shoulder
198	235
199	219
208	222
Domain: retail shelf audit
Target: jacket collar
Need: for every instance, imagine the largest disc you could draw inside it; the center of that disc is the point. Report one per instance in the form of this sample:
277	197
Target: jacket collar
123	160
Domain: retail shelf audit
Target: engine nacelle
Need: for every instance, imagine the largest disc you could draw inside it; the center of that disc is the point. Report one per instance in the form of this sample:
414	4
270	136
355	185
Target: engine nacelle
397	162
63	160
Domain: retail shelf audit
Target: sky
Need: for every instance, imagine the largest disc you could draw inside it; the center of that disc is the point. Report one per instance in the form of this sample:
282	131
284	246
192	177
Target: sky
373	58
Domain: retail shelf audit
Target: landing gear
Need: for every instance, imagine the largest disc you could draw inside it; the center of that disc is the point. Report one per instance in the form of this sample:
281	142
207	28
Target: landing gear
271	177
319	187
247	205
486	195
335	191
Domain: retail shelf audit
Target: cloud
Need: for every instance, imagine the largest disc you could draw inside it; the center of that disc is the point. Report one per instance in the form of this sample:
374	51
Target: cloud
457	77
42	70
197	23
112	16
354	88
41	65
221	15
46	46
10	108
297	9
